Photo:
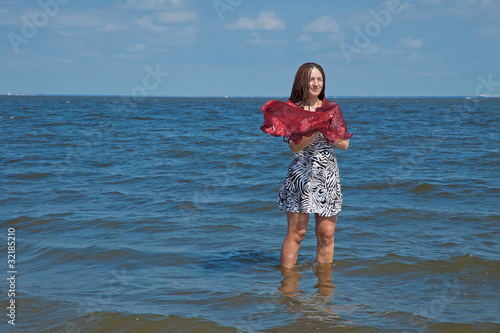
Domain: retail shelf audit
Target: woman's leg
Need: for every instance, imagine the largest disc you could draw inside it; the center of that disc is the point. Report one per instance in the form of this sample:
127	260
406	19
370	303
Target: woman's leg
325	231
297	225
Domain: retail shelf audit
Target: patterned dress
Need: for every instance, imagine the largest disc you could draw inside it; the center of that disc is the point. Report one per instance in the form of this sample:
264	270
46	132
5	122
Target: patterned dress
312	184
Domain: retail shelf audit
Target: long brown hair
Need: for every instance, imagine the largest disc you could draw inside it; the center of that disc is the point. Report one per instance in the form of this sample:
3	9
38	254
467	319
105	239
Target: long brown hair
300	89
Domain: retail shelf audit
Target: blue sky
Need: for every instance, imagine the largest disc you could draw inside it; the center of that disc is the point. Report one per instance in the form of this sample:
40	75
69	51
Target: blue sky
249	48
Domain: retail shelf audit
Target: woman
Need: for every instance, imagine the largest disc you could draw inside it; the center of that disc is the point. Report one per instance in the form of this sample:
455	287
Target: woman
312	185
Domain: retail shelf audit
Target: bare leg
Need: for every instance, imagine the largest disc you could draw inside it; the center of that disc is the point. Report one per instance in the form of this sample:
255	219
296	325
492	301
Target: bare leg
325	231
297	225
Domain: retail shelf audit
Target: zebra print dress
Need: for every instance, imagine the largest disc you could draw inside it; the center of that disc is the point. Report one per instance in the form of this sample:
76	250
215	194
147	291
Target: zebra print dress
312	184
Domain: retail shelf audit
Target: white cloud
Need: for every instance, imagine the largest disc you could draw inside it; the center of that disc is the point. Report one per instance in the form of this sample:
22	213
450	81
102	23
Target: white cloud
485	9
322	25
402	55
304	39
308	43
80	21
400	6
165	21
489	31
267	20
176	17
259	41
432	2
71	25
372	48
151	4
137	48
484	2
412	43
88	54
112	27
9	18
146	22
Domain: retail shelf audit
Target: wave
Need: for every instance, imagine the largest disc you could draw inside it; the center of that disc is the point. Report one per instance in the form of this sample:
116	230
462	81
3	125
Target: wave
104	322
423	188
431	327
30	175
394	265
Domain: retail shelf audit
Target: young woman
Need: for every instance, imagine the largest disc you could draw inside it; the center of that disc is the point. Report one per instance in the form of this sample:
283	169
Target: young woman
312	184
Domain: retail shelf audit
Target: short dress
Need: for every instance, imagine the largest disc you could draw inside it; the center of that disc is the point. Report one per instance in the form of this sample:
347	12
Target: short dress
312	184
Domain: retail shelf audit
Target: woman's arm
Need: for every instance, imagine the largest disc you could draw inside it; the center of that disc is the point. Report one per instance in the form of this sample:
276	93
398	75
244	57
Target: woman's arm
341	144
306	141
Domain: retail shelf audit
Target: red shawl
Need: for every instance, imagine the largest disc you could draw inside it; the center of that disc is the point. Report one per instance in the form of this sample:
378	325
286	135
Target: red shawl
293	122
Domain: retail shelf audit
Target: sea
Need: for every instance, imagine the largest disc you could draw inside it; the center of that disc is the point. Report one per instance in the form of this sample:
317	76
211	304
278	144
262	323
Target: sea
158	214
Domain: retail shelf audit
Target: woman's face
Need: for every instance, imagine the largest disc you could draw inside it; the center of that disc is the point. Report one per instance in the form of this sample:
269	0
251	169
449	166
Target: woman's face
315	83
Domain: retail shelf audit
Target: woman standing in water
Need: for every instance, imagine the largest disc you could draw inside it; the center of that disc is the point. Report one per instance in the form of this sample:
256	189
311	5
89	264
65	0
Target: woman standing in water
312	184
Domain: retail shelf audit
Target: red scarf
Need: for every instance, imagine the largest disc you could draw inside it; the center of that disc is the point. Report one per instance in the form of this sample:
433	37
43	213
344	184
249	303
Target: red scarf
293	122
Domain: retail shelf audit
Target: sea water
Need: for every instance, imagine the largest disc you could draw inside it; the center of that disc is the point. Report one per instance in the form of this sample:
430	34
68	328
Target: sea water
159	215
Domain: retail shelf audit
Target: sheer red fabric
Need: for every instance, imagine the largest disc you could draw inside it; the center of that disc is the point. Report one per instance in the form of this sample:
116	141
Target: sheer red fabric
293	122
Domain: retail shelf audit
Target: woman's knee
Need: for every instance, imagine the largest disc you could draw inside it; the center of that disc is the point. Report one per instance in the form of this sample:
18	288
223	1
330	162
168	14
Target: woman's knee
325	237
297	226
297	235
325	233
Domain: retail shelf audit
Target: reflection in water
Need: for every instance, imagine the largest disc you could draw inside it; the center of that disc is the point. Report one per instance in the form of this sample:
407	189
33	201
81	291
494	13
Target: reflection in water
308	306
290	282
291	279
325	281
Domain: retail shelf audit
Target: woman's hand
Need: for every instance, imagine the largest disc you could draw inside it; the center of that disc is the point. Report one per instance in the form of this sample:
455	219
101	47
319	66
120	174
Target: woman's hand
306	141
341	144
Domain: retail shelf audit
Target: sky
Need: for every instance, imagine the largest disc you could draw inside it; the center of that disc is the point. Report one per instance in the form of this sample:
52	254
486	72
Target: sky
249	48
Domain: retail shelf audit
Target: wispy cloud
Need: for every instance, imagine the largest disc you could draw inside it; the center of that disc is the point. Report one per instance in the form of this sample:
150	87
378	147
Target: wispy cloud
492	31
258	40
485	9
79	21
267	20
324	24
112	27
146	22
321	30
9	18
167	21
151	4
176	17
81	24
411	43
137	48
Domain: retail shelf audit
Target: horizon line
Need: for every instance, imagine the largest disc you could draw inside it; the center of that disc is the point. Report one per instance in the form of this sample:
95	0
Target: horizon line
242	96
